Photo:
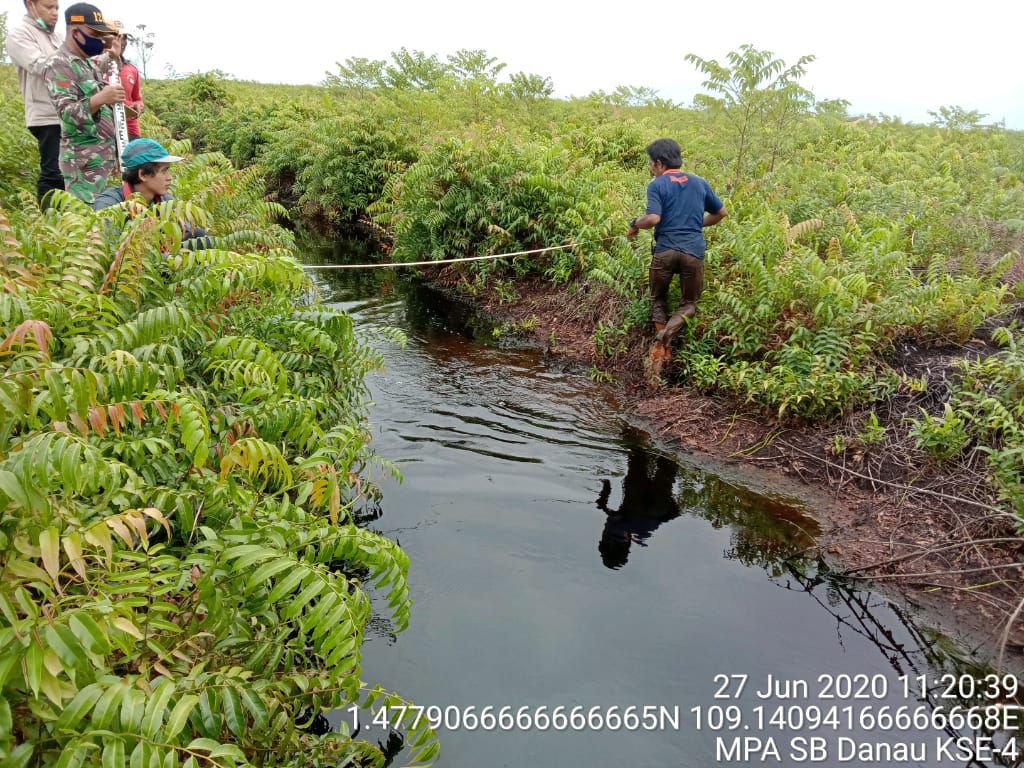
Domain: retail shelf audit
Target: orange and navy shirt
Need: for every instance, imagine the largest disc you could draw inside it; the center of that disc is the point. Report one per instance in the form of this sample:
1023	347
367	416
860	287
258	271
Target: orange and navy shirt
681	199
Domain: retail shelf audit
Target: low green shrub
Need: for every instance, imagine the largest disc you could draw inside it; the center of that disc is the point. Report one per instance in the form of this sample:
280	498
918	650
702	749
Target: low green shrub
468	198
183	449
985	412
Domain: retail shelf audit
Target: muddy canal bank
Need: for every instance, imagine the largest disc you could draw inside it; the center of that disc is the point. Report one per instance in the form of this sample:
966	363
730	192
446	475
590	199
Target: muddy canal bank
905	524
565	556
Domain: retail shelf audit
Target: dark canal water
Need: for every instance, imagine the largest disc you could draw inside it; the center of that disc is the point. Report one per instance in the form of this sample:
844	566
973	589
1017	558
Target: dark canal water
560	559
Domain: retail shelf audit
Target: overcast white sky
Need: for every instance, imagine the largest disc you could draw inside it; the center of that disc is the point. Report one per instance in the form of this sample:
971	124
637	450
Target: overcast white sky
900	57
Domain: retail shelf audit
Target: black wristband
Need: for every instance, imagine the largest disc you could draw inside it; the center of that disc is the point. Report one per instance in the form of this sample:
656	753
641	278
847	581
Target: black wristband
632	224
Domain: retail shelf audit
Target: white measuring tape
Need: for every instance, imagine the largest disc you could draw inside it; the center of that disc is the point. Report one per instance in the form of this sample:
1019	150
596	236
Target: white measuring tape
393	265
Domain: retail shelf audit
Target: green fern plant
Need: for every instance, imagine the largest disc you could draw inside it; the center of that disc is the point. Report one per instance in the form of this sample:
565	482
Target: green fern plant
182	453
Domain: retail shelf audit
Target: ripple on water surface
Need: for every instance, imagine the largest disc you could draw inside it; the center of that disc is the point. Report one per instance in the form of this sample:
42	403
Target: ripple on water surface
560	559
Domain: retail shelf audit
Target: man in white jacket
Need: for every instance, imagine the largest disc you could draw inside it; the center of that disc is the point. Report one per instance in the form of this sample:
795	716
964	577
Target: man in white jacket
30	45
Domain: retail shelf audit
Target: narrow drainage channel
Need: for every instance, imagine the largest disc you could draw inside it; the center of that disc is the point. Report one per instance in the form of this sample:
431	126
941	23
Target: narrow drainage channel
559	559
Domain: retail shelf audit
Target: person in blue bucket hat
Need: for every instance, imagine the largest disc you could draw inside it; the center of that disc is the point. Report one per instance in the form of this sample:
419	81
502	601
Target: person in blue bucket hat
146	171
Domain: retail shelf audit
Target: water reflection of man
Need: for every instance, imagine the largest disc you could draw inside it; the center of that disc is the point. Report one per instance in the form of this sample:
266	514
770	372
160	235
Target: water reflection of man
647	502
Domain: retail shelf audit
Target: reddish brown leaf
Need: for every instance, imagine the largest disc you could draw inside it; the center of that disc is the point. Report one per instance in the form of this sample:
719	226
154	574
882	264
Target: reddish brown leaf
40	332
43	335
138	412
79	423
98	419
116	415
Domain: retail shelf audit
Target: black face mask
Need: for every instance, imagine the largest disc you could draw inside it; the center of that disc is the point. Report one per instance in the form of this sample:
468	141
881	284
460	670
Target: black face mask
91	46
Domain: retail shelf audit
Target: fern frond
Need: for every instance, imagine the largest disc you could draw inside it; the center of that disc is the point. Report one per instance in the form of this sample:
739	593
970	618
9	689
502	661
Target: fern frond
795	232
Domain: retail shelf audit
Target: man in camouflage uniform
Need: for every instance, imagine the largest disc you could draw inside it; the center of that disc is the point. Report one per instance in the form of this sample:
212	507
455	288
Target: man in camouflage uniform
78	90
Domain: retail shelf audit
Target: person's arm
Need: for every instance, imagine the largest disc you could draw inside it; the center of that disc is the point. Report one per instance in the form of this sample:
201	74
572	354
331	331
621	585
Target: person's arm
68	99
111	94
107	199
196	239
602	498
714	208
650	219
647	221
25	52
710	219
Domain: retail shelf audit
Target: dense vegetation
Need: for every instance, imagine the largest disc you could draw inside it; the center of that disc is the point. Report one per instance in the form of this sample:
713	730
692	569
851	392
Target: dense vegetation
183	454
848	238
182	448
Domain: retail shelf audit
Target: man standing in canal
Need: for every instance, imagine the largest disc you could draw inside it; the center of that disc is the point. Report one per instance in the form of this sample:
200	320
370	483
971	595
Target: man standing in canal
82	99
30	45
679	206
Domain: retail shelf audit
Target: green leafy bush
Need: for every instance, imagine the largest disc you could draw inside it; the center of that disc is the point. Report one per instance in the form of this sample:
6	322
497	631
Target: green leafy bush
806	331
467	198
182	450
341	164
985	411
845	236
19	158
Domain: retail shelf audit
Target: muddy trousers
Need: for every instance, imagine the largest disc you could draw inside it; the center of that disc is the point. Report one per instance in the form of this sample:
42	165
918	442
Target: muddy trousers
665	264
50	177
